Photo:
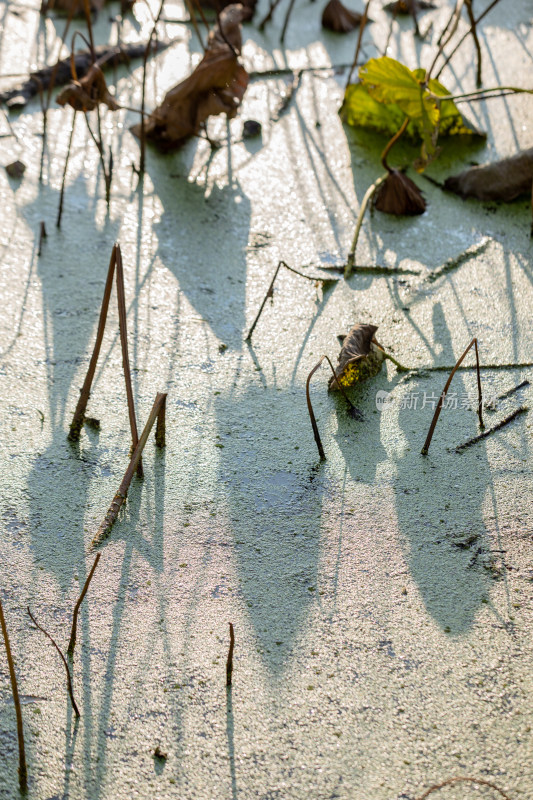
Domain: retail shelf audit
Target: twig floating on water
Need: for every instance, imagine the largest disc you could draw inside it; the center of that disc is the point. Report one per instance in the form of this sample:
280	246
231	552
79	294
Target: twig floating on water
229	662
444	392
23	774
158	409
74	629
489	431
63	659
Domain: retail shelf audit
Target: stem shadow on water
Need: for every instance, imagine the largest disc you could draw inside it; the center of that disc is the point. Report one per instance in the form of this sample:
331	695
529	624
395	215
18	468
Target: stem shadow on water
275	508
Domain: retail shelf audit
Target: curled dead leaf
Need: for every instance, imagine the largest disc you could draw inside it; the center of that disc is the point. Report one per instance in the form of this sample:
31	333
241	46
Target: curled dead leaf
216	86
336	17
399	195
361	357
503	180
86	94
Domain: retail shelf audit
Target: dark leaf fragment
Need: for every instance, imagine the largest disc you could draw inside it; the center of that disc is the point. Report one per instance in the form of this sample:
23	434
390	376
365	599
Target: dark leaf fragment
361	357
16	169
503	180
89	92
336	17
404	7
399	195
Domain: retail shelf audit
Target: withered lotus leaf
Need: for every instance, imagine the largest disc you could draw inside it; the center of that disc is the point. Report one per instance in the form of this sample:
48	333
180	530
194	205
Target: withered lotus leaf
399	195
216	86
86	94
503	180
409	6
336	17
74	7
218	5
361	357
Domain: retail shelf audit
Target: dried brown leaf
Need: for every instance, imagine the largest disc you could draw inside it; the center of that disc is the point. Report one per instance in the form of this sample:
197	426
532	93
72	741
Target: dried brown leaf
361	357
399	195
74	7
336	17
216	86
86	94
503	180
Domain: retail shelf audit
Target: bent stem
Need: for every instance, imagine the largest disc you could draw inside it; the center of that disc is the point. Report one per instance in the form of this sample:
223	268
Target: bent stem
310	406
157	409
362	26
270	291
391	144
350	264
23	773
74	629
64	660
449	781
436	415
448	58
229	662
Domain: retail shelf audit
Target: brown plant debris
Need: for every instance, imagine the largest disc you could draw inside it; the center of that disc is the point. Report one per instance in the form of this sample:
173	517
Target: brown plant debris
404	7
336	17
87	93
399	195
502	180
16	169
216	86
361	357
23	774
39	80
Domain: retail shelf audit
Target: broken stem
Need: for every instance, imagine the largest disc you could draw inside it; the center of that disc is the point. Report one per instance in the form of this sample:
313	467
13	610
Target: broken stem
449	781
74	629
462	39
122	324
229	662
118	500
286	21
489	431
436	415
23	773
79	414
64	660
350	264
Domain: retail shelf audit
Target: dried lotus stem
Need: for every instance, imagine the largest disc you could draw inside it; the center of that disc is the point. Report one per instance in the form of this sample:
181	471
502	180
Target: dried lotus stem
229	662
23	774
74	629
158	409
353	409
63	659
449	781
444	392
